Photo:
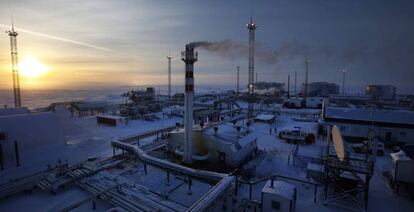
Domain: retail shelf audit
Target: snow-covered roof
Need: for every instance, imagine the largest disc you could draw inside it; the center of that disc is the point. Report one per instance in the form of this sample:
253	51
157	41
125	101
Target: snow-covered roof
265	117
400	156
280	188
13	111
110	116
375	115
33	129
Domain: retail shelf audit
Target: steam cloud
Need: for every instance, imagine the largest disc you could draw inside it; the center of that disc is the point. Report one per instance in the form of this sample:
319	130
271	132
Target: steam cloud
286	51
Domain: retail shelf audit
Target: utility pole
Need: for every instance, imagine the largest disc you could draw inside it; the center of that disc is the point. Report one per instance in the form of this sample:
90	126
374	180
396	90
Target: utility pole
306	80
238	80
295	82
288	87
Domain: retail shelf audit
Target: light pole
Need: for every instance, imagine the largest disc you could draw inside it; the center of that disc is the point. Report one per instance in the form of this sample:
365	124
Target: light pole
343	80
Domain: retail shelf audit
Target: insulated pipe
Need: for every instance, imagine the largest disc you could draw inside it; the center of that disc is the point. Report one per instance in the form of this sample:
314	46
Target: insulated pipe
212	194
225	180
200	174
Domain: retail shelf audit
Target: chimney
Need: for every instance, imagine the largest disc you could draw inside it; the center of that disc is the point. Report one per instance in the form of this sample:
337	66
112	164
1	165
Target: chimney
189	56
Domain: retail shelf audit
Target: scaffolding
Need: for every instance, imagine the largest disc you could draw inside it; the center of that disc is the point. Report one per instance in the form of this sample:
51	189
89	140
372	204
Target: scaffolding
346	183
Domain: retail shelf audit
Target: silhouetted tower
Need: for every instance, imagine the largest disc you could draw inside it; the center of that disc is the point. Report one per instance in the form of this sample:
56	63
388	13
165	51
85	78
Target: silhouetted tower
14	60
343	80
251	27
169	57
257	77
306	80
238	79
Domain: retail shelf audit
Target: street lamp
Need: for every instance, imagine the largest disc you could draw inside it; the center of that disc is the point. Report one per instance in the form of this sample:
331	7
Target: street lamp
343	80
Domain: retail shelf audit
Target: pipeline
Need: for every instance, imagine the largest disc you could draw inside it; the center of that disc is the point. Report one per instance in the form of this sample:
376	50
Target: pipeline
225	180
212	194
201	174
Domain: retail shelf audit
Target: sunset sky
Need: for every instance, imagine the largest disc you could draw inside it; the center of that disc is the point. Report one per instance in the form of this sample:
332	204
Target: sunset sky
125	43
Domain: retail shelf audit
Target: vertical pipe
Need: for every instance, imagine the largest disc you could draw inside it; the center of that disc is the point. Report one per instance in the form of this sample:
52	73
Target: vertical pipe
16	151
250	191
190	182
236	187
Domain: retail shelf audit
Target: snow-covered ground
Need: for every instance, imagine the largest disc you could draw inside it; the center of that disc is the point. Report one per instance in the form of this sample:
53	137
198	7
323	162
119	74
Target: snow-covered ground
84	138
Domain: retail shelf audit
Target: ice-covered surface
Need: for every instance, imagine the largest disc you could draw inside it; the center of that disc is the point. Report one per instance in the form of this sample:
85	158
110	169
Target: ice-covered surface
13	111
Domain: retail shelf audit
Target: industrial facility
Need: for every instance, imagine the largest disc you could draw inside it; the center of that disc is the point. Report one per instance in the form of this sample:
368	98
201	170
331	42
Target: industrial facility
261	146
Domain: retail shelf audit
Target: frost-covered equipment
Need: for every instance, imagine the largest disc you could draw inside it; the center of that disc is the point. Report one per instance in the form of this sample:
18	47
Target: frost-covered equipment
278	196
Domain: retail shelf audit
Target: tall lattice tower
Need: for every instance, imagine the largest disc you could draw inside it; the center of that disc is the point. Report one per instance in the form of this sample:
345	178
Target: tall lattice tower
251	27
16	82
169	57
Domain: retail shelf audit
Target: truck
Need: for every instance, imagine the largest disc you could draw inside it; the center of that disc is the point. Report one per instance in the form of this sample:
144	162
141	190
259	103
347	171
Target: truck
297	135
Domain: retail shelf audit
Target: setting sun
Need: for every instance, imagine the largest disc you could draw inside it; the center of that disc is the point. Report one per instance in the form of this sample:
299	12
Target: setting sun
31	67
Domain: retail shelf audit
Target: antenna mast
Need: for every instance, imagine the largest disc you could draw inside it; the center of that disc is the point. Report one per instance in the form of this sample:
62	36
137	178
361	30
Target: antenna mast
14	60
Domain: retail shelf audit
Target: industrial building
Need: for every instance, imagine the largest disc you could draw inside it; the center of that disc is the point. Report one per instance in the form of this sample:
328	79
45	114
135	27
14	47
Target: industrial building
212	152
384	92
345	100
142	95
278	196
322	89
390	126
226	144
273	88
22	131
